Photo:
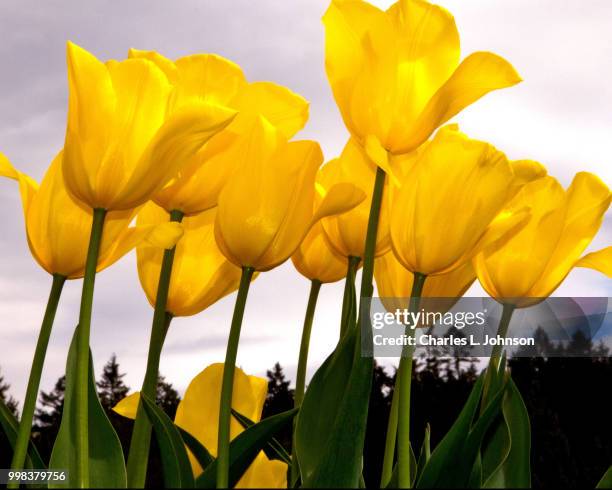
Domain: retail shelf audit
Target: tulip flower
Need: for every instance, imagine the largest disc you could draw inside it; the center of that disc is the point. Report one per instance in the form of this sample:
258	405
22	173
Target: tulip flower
316	260
58	227
57	231
265	210
267	206
347	231
212	78
124	141
533	263
396	76
201	275
198	412
448	205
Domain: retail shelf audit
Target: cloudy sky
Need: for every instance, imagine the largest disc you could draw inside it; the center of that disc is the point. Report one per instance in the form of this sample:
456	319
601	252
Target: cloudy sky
560	115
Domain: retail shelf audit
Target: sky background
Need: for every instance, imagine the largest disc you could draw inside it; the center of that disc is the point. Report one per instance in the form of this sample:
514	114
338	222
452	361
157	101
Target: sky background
561	115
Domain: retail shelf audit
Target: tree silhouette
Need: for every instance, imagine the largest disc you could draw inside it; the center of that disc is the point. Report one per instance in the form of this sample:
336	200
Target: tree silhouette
5	397
167	397
111	388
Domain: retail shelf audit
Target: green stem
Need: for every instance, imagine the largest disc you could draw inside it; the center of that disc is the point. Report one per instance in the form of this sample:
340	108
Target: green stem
82	365
227	386
138	457
405	373
349	293
300	383
29	404
391	437
367	274
494	362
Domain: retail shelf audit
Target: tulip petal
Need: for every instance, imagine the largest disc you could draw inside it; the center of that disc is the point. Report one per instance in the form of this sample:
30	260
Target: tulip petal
477	75
27	185
254	180
286	110
128	406
176	142
379	156
163	63
394	285
207	78
600	260
447	201
339	199
264	473
201	275
198	411
588	198
296	168
315	259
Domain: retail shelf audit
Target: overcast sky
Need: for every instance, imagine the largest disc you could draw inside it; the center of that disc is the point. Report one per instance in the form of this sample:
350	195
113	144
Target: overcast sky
560	115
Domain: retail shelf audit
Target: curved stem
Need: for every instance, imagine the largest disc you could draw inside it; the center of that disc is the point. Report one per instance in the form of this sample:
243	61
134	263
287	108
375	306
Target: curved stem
29	404
494	361
83	331
300	382
227	386
405	373
138	457
391	437
349	293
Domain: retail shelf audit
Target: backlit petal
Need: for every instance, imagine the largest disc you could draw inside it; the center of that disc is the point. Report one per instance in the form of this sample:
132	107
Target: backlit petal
176	142
316	259
285	109
600	261
446	202
477	75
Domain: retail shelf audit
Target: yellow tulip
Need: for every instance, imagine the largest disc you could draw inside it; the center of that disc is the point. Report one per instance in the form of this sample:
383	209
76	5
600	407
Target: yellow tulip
198	414
316	260
124	141
396	75
201	275
347	231
267	206
213	79
448	204
534	262
58	228
394	284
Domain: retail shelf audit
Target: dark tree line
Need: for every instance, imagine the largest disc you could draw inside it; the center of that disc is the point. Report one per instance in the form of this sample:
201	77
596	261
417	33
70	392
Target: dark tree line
566	397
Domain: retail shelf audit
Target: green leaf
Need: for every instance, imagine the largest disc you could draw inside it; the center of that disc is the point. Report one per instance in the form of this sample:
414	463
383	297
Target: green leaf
425	453
330	429
273	449
200	453
393	481
606	480
514	470
10	427
175	462
245	448
106	464
452	462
